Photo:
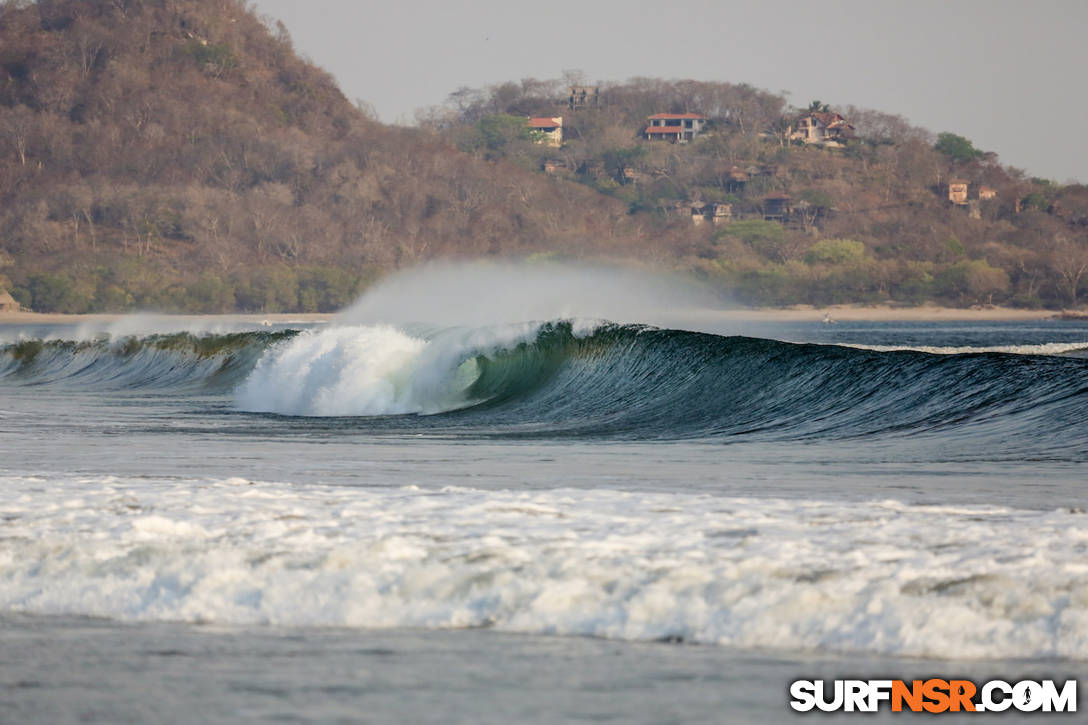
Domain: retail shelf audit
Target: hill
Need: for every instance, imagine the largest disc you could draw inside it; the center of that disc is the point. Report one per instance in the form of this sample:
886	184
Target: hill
179	155
784	205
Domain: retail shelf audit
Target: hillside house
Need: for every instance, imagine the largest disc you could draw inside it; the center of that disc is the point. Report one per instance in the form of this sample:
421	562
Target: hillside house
822	127
548	131
716	212
675	127
957	192
735	179
777	206
986	192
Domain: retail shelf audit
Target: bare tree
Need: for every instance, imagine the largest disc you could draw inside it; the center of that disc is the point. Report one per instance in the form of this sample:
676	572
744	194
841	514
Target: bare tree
1069	260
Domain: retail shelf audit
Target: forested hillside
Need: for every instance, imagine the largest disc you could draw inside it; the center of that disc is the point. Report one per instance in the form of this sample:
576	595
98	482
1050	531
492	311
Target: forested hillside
178	155
865	220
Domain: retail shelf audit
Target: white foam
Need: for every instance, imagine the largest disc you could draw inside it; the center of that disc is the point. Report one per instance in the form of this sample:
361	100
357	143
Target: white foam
376	370
1045	348
878	577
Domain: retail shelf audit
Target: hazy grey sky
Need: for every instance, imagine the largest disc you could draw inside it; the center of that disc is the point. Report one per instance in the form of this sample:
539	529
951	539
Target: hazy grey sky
1008	74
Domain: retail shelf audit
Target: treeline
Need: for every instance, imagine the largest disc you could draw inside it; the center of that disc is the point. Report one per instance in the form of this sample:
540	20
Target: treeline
178	154
138	284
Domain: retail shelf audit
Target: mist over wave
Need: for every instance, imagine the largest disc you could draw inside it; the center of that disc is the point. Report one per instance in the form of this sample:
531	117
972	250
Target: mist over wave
476	294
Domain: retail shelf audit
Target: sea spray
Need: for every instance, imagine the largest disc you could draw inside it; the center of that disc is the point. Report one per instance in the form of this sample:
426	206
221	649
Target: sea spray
478	294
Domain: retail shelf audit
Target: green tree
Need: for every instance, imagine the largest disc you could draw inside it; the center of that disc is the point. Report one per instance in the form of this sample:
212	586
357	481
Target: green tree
768	238
616	160
56	293
209	294
496	134
326	289
268	289
957	148
835	251
1035	200
973	282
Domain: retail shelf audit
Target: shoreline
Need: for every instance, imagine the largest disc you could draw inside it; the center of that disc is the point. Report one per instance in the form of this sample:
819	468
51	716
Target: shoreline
796	313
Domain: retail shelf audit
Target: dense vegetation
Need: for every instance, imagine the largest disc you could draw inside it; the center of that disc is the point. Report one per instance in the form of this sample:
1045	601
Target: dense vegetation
870	221
177	154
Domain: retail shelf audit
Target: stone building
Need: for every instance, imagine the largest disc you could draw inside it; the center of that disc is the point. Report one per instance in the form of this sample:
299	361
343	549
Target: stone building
584	97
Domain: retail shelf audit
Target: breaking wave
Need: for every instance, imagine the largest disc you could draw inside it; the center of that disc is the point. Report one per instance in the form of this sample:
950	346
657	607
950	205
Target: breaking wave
595	379
881	576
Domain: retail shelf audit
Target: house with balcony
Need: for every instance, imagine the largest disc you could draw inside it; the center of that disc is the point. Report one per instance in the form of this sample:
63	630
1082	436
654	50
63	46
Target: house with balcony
675	127
825	128
547	131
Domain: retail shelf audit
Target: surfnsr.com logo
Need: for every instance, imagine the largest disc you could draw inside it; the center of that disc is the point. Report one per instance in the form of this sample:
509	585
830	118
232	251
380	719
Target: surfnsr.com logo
933	696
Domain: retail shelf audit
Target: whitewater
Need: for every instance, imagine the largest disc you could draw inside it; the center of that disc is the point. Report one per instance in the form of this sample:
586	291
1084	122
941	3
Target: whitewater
481	477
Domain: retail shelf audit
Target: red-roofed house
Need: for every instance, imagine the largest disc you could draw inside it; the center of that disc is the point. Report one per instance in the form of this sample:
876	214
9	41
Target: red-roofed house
675	126
548	131
826	128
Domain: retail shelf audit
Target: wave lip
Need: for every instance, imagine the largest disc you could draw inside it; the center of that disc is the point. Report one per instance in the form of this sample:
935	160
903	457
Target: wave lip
876	577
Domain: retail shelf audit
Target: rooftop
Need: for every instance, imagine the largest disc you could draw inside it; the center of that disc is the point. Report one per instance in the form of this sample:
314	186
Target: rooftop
545	122
677	115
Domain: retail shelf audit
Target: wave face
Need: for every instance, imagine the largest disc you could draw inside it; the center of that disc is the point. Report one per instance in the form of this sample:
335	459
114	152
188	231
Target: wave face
881	576
564	379
173	361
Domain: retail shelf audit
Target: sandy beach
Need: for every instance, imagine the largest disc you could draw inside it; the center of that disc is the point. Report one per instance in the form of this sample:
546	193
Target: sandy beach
797	313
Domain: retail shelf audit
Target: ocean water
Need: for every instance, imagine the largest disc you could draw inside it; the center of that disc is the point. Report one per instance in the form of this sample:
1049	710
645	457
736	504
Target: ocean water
508	521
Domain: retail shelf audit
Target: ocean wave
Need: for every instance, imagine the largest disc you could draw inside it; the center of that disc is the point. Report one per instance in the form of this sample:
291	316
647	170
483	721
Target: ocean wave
165	361
594	379
871	577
